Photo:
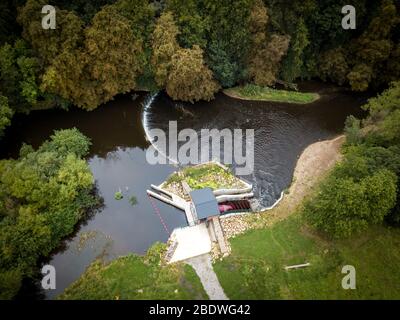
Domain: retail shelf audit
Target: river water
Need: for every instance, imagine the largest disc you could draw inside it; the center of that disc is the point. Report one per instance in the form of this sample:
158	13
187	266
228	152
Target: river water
118	162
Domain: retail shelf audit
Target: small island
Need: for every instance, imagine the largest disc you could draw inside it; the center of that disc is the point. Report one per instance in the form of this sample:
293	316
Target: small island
257	93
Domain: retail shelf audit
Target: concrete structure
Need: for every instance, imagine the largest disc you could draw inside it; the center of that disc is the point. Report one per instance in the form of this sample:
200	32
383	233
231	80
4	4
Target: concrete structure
202	214
190	242
204	203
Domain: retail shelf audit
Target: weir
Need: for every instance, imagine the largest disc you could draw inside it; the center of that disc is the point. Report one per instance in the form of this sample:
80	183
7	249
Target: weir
203	209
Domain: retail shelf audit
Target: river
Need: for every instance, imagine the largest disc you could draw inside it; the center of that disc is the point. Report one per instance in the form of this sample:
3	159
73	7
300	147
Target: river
118	161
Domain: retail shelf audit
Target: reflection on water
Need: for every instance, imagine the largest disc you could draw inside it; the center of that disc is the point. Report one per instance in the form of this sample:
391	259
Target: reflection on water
118	162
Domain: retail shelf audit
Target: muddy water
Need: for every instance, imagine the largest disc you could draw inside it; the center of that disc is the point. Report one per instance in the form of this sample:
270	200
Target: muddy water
118	161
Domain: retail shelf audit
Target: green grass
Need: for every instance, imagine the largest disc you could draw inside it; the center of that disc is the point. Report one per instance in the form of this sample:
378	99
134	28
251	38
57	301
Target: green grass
207	175
135	277
254	92
255	269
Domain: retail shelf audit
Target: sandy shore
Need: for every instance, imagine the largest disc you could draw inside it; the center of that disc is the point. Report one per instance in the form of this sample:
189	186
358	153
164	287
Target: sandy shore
313	164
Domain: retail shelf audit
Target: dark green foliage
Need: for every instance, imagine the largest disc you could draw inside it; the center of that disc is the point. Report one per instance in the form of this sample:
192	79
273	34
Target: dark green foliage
192	22
372	50
364	188
5	114
352	130
345	206
226	70
9	28
92	56
43	194
19	73
85	9
229	28
384	116
293	64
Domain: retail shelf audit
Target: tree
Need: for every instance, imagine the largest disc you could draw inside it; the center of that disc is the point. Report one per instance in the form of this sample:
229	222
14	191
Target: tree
264	66
107	41
294	62
333	65
69	141
264	56
49	43
5	114
68	78
373	48
228	39
9	29
226	70
344	207
192	22
94	73
19	77
43	194
189	78
384	115
85	9
164	46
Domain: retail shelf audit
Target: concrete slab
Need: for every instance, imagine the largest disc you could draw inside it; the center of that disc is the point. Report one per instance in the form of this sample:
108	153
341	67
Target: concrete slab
191	242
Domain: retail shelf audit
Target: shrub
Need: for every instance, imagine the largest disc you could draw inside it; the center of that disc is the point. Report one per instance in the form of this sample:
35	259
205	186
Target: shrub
344	206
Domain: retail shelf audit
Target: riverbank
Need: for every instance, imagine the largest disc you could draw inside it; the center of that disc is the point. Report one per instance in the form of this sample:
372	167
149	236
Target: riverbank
252	92
313	164
265	243
136	277
255	268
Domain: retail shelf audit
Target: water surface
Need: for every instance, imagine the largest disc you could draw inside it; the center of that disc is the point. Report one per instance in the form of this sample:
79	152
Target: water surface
118	161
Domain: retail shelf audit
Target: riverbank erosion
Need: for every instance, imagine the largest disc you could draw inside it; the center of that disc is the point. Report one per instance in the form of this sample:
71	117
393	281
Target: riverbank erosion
313	164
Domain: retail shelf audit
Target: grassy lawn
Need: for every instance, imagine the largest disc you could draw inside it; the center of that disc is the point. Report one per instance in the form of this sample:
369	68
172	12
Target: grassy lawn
253	92
255	269
136	277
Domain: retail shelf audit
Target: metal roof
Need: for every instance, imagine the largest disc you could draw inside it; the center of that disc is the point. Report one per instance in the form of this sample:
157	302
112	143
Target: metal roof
205	203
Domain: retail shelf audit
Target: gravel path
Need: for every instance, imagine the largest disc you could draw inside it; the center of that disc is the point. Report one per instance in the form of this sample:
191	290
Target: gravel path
203	267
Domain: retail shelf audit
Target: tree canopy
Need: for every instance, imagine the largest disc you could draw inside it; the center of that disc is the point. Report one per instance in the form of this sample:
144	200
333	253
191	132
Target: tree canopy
364	188
43	194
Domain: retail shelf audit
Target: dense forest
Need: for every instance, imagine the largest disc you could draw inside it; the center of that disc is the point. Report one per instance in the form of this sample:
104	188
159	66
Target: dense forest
191	49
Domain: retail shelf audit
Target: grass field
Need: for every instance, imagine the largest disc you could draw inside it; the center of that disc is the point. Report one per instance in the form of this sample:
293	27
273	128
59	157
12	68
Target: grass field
255	269
136	277
253	92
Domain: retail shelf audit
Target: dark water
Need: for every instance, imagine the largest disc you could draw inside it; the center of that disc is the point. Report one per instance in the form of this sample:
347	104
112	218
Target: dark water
282	131
117	160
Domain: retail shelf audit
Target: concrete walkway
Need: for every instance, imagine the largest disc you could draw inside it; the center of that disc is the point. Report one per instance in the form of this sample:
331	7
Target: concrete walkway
203	267
191	242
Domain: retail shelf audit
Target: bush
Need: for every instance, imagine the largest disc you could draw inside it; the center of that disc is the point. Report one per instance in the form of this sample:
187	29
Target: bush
344	206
